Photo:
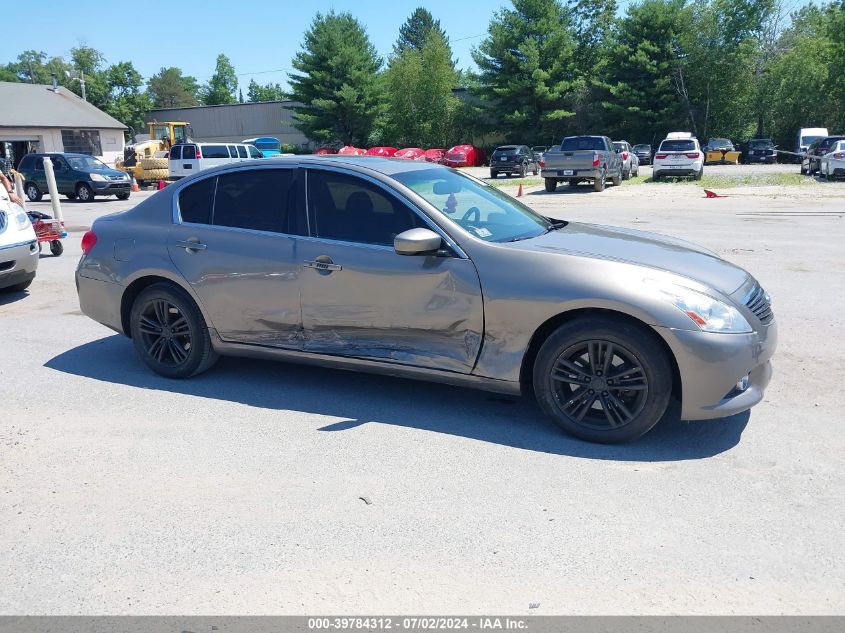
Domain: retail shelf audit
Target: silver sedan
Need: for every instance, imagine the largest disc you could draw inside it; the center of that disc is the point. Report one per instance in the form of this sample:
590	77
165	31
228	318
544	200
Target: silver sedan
420	271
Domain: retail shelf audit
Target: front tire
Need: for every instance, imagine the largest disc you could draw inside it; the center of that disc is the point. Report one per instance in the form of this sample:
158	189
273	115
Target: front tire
551	184
170	333
84	192
603	379
494	174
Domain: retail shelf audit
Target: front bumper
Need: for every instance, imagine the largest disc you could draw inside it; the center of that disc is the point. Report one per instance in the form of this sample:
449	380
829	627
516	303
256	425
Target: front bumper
770	159
18	263
710	366
111	187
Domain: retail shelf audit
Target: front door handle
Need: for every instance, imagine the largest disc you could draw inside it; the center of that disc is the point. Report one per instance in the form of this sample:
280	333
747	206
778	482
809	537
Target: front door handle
190	245
323	264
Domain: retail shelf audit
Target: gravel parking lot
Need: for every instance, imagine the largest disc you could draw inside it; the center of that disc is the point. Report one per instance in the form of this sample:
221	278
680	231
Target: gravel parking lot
263	488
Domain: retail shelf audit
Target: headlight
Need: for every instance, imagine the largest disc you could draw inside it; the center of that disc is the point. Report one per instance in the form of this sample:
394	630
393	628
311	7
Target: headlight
21	218
98	178
709	314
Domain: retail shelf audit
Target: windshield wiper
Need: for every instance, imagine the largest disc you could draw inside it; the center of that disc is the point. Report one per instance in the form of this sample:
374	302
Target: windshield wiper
555	225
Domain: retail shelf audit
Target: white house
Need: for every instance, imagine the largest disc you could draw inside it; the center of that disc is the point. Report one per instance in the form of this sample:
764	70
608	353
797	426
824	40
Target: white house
38	118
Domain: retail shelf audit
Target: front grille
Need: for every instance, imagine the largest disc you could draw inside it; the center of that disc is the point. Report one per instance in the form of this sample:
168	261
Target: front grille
760	304
115	177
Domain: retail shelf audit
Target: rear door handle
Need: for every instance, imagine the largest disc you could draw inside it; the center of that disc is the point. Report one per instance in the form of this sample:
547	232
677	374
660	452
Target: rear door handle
319	265
190	245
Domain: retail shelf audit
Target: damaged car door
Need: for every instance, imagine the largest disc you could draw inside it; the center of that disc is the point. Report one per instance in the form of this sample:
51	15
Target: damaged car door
360	298
234	240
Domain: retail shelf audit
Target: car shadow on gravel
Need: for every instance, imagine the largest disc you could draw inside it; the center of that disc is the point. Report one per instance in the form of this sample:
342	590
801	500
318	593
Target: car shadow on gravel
362	398
565	190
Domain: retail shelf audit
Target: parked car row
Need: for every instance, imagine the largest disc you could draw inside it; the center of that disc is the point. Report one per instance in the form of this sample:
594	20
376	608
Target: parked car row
821	152
457	156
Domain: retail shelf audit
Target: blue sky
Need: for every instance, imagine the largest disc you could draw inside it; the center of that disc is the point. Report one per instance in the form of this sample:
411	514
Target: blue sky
257	36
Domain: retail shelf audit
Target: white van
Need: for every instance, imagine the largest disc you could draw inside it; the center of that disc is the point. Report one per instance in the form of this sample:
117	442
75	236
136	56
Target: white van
807	135
189	158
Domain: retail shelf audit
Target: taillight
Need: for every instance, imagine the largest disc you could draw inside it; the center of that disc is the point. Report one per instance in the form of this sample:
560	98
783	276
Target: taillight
542	164
694	155
624	155
839	155
660	156
199	153
596	160
88	241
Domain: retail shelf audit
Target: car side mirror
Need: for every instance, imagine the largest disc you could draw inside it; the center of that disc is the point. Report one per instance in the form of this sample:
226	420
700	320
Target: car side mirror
416	242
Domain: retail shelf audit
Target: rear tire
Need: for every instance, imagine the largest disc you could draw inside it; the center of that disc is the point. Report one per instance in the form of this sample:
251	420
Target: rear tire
551	184
626	175
170	333
617	179
583	368
600	182
494	174
699	174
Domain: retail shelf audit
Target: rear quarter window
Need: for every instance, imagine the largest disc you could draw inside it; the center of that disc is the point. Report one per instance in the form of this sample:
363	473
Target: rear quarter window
195	202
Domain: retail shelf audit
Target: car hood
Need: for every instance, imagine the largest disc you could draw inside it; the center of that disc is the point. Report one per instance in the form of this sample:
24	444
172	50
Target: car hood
107	172
641	248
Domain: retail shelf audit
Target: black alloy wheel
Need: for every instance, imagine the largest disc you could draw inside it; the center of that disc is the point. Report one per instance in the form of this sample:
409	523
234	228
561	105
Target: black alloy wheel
170	333
604	379
165	332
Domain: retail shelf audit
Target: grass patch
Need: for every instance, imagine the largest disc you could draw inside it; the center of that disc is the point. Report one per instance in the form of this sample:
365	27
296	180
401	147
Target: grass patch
514	182
727	182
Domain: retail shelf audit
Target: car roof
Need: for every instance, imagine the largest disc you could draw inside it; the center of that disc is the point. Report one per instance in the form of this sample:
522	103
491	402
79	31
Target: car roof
508	147
378	164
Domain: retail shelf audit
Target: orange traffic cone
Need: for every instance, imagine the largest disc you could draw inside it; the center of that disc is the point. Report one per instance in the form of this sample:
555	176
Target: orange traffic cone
135	187
519	192
160	185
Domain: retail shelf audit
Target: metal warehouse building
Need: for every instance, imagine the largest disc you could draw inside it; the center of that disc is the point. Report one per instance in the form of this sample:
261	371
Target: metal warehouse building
39	118
237	121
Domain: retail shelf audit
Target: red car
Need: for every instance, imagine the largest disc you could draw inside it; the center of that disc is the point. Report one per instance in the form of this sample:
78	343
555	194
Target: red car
348	150
322	151
464	156
435	155
410	153
387	152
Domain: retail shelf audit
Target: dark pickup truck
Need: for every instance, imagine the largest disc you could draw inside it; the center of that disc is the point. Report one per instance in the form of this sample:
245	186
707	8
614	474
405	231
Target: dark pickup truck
579	158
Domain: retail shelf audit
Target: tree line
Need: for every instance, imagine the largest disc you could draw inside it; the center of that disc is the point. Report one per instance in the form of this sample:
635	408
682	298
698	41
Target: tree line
544	69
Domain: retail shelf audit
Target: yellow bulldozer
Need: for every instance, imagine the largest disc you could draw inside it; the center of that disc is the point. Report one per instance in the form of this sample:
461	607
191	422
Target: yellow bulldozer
147	160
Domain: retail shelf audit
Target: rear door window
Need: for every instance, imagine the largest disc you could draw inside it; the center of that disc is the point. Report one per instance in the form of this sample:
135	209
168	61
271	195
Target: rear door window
196	200
189	152
176	152
242	152
256	199
233	151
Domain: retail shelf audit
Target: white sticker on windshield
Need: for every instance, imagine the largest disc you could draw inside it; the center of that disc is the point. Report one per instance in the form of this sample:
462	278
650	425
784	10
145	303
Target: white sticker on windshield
482	232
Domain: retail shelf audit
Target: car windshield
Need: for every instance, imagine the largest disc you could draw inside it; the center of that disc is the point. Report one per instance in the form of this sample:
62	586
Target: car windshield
482	210
757	144
86	163
677	146
505	149
618	145
575	143
642	148
806	140
720	142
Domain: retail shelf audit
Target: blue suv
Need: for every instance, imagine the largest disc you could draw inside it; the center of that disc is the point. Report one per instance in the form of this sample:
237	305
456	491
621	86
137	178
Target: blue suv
78	176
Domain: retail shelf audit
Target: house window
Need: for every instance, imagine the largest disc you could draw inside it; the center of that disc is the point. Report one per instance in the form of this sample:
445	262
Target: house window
82	142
